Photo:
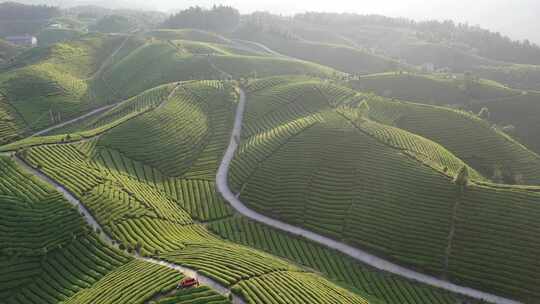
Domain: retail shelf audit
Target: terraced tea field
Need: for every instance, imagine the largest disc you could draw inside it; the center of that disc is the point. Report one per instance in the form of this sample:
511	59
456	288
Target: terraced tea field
291	165
153	212
342	194
436	90
60	77
468	137
55	257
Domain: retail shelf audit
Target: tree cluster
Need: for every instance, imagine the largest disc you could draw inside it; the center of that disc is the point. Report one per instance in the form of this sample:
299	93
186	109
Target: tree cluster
219	18
114	24
17	11
485	43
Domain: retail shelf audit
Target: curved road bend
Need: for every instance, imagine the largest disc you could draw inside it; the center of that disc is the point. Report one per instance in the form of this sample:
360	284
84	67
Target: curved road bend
355	253
92	222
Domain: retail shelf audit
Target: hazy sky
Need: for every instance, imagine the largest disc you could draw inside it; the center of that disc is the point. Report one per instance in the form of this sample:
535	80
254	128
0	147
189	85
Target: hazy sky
516	18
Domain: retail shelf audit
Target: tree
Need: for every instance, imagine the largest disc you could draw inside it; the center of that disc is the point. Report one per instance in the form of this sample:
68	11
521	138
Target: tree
462	178
484	113
138	247
219	18
497	175
509	129
114	24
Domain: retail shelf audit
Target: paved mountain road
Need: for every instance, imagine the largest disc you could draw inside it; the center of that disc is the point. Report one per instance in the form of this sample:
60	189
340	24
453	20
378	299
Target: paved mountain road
355	253
92	222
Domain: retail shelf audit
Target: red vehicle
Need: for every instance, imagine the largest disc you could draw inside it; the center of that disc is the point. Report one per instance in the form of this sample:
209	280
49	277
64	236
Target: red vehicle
188	283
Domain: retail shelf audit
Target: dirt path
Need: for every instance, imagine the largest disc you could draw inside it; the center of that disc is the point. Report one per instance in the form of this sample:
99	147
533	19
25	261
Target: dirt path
74	120
355	253
94	224
262	47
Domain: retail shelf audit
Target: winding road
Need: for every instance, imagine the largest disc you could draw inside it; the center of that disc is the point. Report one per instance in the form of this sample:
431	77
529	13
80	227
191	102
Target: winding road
355	253
60	125
94	224
229	196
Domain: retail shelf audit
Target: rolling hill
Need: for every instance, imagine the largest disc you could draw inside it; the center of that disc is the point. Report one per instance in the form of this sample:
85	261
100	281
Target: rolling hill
135	183
435	89
108	181
7	50
60	81
340	57
521	111
307	141
110	146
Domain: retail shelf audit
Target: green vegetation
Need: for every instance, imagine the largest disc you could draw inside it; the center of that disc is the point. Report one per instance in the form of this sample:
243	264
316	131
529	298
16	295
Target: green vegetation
51	36
54	257
179	131
162	62
21	19
218	18
522	112
7	50
188	34
163	194
194	295
470	138
305	142
114	24
59	81
343	135
438	90
333	265
340	57
137	280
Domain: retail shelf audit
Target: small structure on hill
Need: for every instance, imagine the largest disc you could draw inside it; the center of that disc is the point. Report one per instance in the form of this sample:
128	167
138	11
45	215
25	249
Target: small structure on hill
25	40
187	283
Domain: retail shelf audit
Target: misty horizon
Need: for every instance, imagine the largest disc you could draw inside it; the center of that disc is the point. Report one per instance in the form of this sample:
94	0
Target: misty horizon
496	15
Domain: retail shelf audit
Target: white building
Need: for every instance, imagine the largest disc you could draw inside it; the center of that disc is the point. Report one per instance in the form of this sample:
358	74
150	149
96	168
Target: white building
26	40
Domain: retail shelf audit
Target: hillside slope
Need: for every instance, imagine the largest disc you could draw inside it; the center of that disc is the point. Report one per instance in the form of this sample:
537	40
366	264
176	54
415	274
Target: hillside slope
137	194
340	57
55	256
432	89
7	50
311	159
163	62
60	81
